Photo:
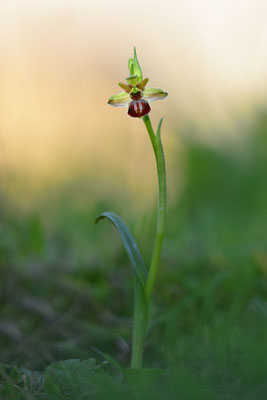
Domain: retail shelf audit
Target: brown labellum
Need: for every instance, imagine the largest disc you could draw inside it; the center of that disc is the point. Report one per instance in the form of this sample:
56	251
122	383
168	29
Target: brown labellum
138	108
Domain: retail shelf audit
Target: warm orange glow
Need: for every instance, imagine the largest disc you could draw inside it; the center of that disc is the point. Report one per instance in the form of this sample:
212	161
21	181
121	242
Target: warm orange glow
61	60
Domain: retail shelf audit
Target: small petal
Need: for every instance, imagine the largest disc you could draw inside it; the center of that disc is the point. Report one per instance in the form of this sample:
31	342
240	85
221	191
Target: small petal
121	99
154	94
142	84
138	108
125	87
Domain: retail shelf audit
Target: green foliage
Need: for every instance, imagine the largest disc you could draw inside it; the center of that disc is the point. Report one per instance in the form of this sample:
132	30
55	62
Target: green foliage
69	378
141	303
16	384
67	287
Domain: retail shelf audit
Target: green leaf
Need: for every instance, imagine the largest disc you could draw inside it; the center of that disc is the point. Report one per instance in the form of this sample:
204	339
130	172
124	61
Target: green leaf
141	302
158	134
129	245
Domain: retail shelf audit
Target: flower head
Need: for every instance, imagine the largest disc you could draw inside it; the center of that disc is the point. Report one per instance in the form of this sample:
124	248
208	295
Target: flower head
136	95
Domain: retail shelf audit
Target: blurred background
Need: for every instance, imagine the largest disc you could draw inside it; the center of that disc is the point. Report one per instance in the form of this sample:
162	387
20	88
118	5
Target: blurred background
62	59
65	155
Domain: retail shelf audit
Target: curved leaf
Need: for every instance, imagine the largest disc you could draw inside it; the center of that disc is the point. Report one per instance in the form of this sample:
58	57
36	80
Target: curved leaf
159	128
129	245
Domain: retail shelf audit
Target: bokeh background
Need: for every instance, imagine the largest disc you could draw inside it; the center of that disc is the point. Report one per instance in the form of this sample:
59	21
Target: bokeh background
61	60
65	156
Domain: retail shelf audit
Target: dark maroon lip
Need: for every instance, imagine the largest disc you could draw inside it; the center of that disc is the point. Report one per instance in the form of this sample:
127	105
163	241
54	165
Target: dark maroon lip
138	108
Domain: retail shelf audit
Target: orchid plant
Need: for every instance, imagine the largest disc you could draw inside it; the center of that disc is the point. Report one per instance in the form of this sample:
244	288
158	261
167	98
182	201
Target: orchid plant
136	95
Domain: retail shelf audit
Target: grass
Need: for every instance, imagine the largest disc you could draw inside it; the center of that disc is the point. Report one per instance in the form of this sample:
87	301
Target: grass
66	291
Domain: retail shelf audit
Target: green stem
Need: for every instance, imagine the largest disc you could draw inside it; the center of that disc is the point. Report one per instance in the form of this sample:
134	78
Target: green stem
142	300
139	327
162	200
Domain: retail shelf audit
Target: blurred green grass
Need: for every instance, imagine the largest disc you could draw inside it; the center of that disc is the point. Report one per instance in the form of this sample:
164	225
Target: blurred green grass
66	286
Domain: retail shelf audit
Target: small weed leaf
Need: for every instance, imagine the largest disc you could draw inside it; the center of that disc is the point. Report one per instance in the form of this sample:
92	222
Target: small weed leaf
70	378
20	384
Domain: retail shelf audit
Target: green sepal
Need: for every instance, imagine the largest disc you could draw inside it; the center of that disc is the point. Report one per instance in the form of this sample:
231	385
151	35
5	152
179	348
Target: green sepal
152	94
131	66
135	69
121	99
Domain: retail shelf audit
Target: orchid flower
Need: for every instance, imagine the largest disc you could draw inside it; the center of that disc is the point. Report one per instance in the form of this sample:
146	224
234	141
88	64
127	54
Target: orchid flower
136	95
